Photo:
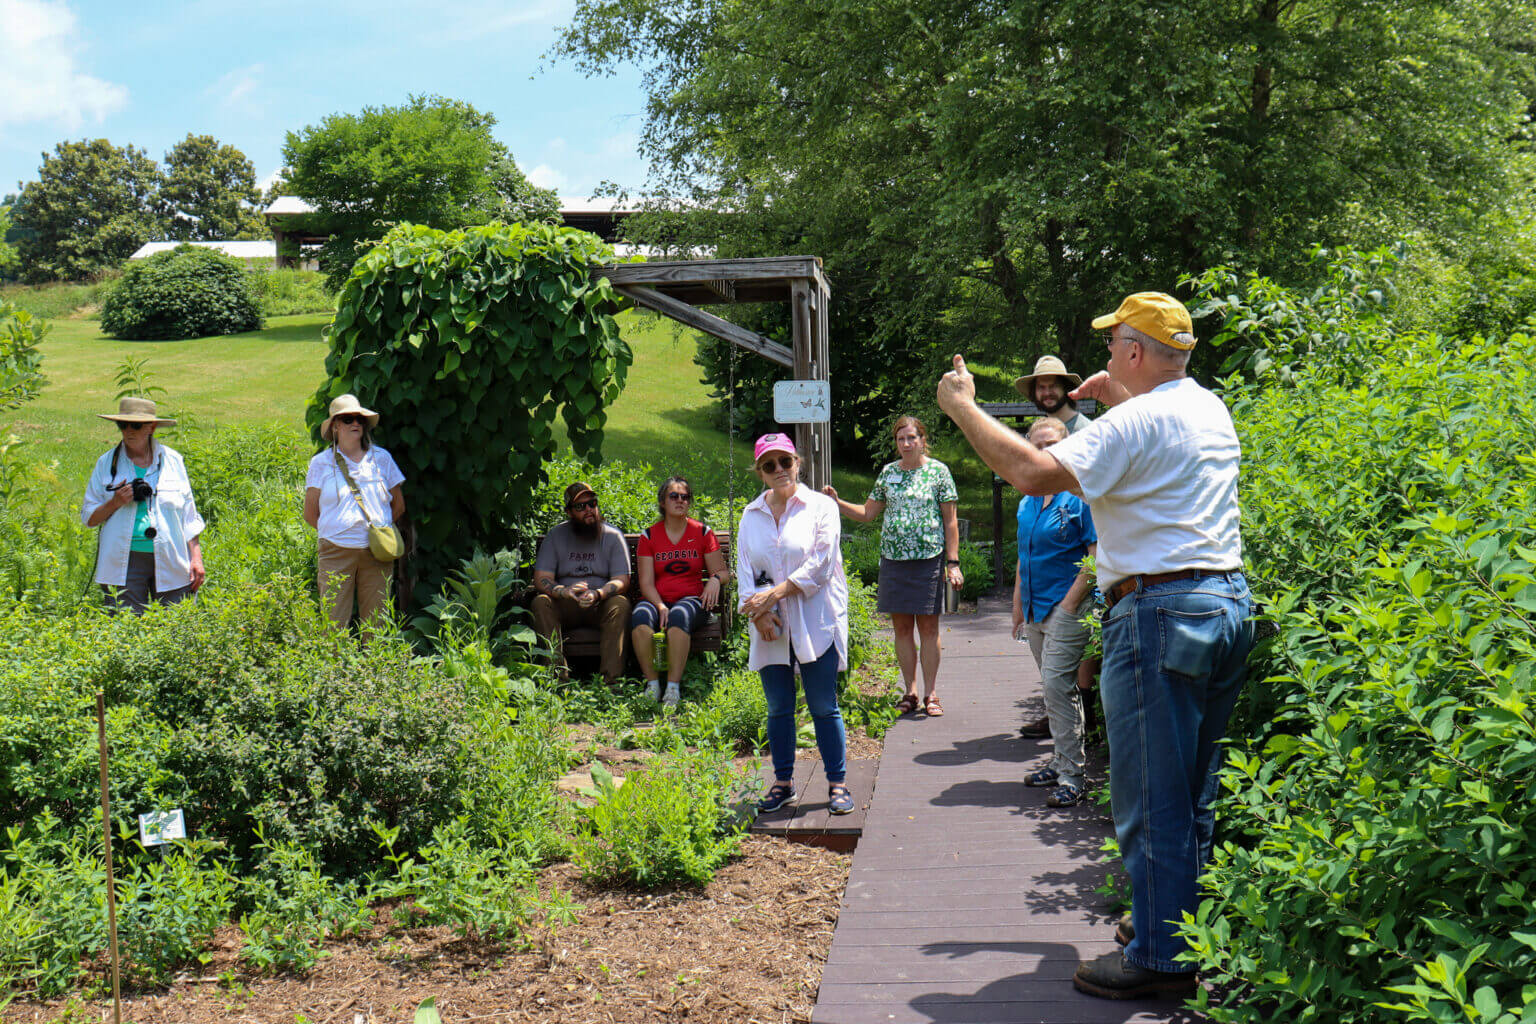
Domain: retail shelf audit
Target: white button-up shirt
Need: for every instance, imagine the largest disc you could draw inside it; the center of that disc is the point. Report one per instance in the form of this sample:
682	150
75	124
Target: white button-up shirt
172	513
804	547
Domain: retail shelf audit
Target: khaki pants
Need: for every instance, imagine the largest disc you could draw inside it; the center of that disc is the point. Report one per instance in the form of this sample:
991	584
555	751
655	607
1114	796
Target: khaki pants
611	617
345	573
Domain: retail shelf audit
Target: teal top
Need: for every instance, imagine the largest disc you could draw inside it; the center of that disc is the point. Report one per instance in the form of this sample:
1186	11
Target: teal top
140	520
913	525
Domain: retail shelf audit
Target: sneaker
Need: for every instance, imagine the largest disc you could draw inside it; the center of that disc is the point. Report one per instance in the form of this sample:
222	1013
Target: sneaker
1112	977
1042	777
674	694
653	689
1065	795
839	799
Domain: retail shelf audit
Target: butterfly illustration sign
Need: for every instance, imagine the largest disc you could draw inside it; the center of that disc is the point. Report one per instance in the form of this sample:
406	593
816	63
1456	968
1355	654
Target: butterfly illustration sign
802	401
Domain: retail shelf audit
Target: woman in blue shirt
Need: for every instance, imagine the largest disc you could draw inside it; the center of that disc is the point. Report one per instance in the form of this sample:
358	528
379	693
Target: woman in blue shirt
1051	593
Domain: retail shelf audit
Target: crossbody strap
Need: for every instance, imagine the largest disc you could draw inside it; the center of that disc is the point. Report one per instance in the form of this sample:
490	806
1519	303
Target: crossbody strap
357	495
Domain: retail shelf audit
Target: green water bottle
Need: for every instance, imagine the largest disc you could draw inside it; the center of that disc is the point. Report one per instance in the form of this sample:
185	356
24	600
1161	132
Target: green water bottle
659	651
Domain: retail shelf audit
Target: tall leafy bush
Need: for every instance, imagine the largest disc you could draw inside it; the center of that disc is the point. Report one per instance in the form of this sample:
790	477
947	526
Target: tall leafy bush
188	292
21	364
469	343
1378	862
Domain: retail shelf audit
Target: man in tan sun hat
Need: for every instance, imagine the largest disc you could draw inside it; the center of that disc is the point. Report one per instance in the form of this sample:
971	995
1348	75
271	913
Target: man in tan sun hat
1159	471
1048	387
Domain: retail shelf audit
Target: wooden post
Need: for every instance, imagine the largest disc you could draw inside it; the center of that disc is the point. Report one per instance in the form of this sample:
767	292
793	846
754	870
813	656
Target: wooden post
106	845
813	471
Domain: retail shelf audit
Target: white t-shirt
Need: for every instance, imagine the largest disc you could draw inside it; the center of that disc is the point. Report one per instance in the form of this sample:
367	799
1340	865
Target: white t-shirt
1160	474
376	475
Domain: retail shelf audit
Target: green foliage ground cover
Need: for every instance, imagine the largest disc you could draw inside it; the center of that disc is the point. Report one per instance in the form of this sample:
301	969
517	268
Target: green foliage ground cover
1377	862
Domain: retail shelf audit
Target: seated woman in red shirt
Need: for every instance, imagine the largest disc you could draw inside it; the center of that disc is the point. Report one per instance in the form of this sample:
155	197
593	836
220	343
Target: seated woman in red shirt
671	558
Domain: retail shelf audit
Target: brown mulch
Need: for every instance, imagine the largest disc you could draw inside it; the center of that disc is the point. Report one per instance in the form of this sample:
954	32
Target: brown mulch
747	948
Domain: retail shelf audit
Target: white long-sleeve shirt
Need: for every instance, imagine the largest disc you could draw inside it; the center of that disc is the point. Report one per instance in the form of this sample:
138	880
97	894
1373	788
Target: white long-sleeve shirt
172	513
802	547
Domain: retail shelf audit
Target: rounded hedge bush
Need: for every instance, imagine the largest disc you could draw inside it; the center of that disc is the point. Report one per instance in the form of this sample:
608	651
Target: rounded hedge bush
188	292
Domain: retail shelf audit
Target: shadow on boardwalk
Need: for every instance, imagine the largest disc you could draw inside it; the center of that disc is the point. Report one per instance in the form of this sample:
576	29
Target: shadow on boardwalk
970	901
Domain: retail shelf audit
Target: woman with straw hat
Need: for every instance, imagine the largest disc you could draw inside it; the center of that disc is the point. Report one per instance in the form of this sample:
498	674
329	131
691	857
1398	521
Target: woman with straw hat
141	500
352	486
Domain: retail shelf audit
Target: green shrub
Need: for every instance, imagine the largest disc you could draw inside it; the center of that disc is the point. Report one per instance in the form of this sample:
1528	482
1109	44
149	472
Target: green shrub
21	364
187	292
1376	863
286	292
735	713
293	907
53	916
666	825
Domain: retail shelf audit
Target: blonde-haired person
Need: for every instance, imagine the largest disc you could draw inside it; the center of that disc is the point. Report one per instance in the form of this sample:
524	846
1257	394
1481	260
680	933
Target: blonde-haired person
346	569
915	499
141	499
789	569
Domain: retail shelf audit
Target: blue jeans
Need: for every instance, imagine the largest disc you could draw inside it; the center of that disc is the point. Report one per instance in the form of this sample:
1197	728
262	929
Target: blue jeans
819	678
1175	655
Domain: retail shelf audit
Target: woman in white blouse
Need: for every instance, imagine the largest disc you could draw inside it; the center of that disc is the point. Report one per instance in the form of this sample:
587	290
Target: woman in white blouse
346	568
789	568
140	497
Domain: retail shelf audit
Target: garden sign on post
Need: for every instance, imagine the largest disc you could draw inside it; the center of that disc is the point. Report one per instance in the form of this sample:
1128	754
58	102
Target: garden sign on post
677	288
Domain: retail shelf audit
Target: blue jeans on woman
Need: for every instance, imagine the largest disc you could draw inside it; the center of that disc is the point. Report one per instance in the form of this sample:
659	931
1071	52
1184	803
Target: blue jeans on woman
819	678
1175	656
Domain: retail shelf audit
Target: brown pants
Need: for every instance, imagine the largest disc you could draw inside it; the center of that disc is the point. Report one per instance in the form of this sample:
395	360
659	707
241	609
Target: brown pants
345	573
611	617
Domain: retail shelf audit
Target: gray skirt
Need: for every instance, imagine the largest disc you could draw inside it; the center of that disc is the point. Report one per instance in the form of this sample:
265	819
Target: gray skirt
911	586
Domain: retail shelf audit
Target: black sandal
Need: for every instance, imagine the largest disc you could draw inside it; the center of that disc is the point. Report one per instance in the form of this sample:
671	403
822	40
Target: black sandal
779	794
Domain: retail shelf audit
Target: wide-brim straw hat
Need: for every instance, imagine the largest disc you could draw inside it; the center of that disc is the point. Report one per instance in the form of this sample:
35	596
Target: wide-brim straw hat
1045	366
136	410
343	405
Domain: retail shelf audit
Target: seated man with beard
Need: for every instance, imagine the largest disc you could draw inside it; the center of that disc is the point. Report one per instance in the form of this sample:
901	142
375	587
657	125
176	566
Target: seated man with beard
581	573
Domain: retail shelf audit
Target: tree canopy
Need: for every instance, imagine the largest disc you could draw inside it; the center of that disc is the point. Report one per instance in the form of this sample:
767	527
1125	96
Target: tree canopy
993	174
94	203
209	192
91	206
431	161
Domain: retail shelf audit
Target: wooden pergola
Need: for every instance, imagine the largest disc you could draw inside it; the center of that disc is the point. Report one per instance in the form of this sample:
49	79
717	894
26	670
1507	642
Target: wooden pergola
676	289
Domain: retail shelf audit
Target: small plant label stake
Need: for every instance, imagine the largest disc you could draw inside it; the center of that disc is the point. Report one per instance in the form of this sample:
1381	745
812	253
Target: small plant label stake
160	827
106	845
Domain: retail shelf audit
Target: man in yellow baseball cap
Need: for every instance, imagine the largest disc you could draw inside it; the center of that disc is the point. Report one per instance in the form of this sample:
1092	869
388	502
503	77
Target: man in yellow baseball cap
1159	473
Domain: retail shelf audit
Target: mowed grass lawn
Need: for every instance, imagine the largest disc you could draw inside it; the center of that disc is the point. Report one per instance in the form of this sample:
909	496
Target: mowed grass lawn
663	416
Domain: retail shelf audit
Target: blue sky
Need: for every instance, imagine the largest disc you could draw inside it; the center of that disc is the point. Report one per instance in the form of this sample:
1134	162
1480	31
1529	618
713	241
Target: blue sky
248	72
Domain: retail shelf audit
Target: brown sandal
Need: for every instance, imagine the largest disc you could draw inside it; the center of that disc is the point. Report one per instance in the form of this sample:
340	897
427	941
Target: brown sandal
933	707
908	704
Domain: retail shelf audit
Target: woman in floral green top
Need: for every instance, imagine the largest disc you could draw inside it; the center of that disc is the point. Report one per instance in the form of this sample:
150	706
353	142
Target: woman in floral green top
919	554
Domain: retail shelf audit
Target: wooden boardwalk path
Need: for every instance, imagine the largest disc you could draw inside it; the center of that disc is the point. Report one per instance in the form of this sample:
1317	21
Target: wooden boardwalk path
969	900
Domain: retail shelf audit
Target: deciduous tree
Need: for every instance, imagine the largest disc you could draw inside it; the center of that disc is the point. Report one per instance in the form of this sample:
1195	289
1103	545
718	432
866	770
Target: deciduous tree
209	192
993	174
90	207
431	161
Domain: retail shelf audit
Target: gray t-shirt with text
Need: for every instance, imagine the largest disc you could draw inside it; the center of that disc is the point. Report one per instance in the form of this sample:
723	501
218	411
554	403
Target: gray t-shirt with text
573	559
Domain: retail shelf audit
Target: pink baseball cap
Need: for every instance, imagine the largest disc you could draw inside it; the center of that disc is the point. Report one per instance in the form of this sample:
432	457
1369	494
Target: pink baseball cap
773	443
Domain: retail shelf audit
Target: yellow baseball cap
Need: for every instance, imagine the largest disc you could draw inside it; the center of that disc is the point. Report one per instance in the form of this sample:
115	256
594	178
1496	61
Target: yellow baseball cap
1152	313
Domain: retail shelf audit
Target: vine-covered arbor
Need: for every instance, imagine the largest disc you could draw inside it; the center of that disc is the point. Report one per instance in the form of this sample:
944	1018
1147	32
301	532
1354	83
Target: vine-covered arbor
677	288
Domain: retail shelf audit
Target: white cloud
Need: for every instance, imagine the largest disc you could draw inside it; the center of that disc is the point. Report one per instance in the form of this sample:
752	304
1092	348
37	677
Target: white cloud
545	176
39	78
234	90
477	20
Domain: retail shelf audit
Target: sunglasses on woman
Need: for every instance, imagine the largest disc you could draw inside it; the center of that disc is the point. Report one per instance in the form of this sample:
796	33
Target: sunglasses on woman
131	426
349	418
774	465
678	496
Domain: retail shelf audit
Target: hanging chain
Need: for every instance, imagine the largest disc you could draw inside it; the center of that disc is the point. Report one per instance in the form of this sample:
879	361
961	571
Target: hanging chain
730	437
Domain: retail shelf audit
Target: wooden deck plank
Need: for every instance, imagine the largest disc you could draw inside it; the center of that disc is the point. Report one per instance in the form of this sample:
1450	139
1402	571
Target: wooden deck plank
968	899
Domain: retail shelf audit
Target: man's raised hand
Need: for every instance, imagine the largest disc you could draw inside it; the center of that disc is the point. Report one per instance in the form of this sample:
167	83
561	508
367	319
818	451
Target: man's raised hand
957	387
1102	389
